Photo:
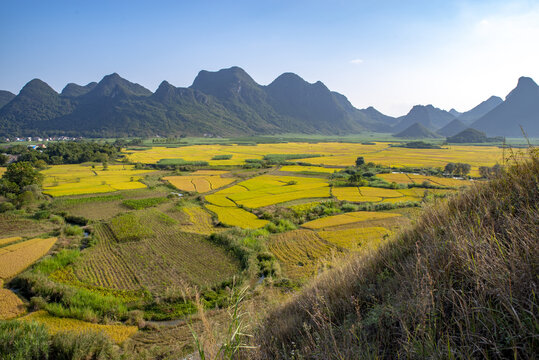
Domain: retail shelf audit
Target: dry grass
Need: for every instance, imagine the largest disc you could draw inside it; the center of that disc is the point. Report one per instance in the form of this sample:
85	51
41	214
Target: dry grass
461	283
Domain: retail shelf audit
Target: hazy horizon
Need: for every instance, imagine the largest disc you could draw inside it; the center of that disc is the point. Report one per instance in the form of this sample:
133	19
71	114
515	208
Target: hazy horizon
453	54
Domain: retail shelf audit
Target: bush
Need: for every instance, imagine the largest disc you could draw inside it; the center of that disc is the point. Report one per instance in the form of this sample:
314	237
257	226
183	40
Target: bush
21	340
6	206
42	214
84	346
222	157
78	220
73	230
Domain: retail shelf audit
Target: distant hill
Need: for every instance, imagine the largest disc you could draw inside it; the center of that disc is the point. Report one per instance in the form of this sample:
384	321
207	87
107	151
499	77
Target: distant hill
454	127
5	97
455	113
520	108
429	116
416	131
223	103
376	115
472	136
470	116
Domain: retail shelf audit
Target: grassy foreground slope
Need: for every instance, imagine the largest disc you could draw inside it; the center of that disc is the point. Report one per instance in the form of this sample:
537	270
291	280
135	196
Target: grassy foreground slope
462	283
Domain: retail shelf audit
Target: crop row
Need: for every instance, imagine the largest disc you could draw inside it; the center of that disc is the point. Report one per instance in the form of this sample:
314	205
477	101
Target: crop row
17	257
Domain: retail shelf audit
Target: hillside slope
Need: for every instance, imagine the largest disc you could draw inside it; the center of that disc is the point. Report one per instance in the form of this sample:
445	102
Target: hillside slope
461	283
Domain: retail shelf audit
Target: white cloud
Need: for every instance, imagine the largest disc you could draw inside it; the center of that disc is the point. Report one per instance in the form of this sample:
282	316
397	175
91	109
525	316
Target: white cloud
356	61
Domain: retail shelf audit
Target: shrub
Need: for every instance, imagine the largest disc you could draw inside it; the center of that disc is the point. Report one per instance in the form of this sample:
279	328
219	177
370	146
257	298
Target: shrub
73	230
6	206
42	214
21	340
84	346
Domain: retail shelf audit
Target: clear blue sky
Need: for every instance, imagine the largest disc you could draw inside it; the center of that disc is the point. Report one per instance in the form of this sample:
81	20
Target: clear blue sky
390	54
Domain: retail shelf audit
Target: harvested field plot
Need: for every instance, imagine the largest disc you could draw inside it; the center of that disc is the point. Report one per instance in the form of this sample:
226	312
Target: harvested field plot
13	225
10	305
166	258
117	333
61	180
300	252
348	218
17	257
233	216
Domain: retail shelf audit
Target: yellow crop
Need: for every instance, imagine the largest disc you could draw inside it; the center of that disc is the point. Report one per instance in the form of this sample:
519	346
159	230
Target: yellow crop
117	333
313	169
399	178
348	218
9	240
356	239
237	217
10	305
220	200
301	253
61	180
201	181
351	193
270	189
200	221
17	257
379	192
2	171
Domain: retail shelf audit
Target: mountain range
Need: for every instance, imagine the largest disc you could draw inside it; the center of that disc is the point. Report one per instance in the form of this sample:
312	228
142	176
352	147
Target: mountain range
229	102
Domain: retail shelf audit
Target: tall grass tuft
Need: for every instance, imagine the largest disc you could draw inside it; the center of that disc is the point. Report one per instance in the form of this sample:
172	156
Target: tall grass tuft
462	283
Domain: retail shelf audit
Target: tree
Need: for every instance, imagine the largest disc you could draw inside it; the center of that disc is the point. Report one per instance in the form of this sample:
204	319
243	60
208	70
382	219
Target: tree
3	159
19	175
360	161
450	168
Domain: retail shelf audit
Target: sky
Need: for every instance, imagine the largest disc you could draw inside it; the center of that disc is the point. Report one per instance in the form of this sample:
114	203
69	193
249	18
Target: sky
388	54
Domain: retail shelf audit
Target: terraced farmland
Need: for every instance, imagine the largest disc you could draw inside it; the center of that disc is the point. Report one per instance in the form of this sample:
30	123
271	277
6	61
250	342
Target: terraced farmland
17	257
62	180
117	333
372	194
301	253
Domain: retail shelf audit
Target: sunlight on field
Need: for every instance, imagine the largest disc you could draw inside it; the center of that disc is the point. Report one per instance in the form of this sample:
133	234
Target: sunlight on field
17	257
117	333
61	180
309	169
356	239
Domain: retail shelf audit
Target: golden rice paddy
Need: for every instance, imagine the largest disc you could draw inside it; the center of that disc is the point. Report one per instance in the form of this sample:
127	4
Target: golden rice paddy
347	218
301	253
233	216
309	169
9	240
10	305
201	181
372	194
268	190
356	239
61	180
17	257
117	333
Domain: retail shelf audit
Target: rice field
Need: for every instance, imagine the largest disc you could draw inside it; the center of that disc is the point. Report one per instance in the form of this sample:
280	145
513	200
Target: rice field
372	194
356	239
347	218
233	216
333	154
199	221
117	333
62	180
17	257
309	169
9	240
201	181
10	305
12	225
301	253
268	190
